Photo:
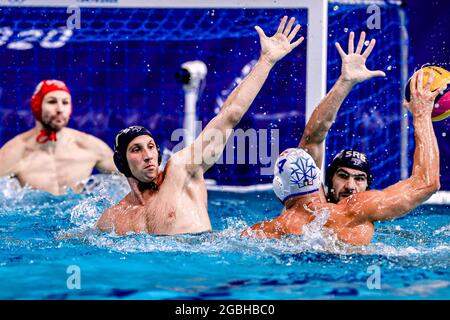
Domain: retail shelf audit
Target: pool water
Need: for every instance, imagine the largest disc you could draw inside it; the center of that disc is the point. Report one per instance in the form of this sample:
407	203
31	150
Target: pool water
43	237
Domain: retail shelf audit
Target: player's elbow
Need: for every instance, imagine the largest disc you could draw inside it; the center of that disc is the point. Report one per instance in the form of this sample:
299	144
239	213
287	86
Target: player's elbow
109	168
235	117
233	114
319	126
435	186
429	188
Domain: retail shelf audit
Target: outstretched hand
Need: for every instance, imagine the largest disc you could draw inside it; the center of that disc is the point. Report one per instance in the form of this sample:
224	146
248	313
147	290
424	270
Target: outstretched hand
276	47
354	62
422	98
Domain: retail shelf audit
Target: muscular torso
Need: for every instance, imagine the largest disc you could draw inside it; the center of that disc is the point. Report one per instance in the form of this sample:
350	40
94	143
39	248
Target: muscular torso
55	166
178	206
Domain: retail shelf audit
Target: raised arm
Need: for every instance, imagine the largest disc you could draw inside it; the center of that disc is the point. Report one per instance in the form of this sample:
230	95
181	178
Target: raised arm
207	148
405	195
353	71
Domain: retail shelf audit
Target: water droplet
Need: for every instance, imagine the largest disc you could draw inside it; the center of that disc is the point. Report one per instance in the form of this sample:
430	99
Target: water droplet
345	29
335	8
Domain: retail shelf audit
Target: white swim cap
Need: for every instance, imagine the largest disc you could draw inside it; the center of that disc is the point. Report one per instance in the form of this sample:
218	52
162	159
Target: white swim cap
296	174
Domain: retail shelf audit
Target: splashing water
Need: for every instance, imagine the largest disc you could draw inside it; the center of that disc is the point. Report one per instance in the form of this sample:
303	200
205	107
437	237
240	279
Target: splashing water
42	235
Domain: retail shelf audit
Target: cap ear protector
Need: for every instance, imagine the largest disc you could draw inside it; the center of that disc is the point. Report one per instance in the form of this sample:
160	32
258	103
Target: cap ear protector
123	139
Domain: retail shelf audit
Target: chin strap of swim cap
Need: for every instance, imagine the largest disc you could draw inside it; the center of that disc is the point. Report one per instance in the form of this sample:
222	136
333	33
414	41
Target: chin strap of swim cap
46	135
123	139
43	88
350	159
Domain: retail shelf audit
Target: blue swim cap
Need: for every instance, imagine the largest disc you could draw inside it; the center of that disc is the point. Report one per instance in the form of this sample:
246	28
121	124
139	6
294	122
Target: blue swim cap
123	139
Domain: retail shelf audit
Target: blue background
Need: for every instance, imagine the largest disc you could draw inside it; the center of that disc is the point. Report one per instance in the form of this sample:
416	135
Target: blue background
121	65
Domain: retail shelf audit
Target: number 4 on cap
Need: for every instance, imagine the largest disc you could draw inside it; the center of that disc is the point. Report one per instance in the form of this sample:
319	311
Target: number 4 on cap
280	165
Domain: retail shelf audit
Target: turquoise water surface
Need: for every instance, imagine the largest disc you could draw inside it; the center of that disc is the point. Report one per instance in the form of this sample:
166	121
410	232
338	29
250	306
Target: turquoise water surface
43	238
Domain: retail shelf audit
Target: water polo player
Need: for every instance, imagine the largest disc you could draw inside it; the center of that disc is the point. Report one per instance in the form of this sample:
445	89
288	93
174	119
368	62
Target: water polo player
297	184
174	200
50	156
350	170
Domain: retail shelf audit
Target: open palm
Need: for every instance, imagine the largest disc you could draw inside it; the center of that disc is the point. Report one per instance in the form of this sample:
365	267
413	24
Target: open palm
279	45
354	63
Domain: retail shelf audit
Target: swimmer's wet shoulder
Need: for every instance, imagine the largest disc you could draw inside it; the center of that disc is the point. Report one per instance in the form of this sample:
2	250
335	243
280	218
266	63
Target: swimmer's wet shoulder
300	211
98	150
53	166
347	223
178	205
12	153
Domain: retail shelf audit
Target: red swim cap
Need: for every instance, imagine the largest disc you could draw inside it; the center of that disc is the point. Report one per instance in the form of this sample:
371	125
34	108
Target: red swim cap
41	90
